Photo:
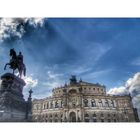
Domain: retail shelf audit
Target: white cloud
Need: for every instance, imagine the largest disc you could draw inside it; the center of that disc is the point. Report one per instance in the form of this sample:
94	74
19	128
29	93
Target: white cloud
35	21
132	86
30	82
118	90
15	26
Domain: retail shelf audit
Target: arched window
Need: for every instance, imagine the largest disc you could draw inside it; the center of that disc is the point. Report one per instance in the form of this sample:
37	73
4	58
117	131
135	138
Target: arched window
56	104
102	120
47	105
106	103
51	105
86	103
108	115
109	120
50	115
56	116
86	117
94	115
100	103
93	103
44	107
102	115
94	120
115	120
61	104
112	103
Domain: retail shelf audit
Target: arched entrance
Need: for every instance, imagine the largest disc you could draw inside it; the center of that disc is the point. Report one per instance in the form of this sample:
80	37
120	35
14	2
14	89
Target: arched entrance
72	117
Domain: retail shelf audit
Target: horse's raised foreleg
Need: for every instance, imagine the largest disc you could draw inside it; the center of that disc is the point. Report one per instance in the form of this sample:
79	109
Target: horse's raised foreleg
6	66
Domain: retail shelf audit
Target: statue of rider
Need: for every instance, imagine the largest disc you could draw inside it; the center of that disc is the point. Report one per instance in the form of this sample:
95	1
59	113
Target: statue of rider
16	62
20	58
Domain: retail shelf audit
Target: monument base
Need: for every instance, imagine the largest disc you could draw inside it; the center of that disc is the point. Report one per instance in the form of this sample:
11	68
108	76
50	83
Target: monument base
12	104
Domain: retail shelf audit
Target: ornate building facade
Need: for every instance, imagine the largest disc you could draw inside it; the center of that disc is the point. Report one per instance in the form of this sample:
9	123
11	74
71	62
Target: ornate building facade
81	101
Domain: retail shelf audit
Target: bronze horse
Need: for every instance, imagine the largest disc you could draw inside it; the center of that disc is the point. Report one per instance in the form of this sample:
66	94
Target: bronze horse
16	63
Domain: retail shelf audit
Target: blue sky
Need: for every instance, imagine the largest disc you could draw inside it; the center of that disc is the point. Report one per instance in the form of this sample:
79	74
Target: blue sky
103	50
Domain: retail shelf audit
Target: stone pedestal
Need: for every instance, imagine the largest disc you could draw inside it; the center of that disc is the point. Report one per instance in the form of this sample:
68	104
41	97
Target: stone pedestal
12	103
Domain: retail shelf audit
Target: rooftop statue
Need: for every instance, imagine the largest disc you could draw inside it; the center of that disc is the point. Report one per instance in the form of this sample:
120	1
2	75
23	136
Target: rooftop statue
16	62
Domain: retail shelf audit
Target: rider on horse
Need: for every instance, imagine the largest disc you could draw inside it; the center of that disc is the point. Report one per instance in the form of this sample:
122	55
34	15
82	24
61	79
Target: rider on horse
16	62
20	58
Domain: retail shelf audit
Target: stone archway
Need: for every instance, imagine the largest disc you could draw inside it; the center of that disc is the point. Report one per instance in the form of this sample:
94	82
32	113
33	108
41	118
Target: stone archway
72	117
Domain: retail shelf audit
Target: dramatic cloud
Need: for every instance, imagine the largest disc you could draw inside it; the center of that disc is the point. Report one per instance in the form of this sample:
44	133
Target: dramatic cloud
30	82
15	27
35	21
118	90
132	86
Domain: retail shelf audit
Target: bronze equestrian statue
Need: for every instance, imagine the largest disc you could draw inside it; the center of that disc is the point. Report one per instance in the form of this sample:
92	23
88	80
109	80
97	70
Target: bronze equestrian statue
16	62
